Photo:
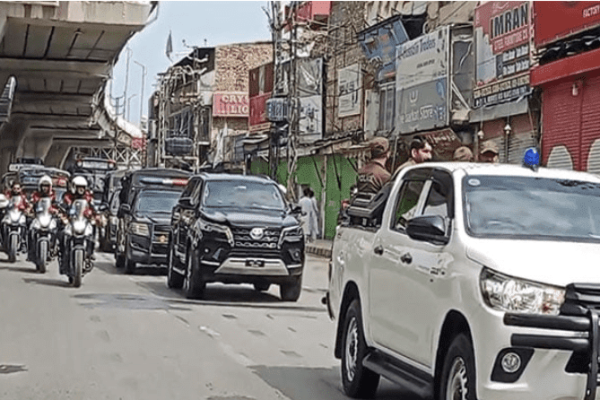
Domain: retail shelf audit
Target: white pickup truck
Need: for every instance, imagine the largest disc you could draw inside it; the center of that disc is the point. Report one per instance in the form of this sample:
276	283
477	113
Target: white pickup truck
473	281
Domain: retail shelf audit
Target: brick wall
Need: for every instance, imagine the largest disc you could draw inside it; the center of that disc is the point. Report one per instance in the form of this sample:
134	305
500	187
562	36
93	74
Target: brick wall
234	61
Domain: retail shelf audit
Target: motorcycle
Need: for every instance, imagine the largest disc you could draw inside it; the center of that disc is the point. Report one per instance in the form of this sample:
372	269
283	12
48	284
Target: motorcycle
14	225
43	231
78	245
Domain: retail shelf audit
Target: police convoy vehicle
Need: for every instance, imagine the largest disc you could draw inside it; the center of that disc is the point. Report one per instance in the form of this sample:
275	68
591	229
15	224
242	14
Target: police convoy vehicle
474	281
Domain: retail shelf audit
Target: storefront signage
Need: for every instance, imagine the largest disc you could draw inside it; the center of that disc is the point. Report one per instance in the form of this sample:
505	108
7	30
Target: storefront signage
558	20
379	43
350	90
422	82
258	117
230	104
503	53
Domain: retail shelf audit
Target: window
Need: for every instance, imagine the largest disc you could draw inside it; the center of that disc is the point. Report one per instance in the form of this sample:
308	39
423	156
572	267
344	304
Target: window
407	204
387	102
437	201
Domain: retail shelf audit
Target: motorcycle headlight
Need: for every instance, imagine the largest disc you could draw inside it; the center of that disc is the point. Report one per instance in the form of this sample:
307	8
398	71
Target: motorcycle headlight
292	234
206	226
79	227
140	229
505	293
44	220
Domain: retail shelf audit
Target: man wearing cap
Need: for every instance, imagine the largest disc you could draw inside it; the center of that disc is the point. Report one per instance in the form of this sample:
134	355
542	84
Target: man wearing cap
463	154
420	152
373	176
489	153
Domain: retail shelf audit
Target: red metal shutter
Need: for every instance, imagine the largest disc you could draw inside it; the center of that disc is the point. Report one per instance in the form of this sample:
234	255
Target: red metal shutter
561	121
590	124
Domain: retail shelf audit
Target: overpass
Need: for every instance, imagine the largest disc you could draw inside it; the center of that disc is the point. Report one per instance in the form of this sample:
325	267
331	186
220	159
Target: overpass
61	55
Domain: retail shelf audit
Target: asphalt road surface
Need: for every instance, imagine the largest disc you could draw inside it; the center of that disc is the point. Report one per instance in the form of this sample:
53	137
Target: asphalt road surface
130	337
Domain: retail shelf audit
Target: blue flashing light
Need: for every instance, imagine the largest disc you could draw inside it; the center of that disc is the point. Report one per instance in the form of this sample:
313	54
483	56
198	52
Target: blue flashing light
531	158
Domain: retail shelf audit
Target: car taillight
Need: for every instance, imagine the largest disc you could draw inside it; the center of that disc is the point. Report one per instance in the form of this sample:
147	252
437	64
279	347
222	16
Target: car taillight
180	182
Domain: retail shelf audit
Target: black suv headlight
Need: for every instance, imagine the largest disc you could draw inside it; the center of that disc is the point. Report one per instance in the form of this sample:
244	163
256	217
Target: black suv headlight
208	227
291	234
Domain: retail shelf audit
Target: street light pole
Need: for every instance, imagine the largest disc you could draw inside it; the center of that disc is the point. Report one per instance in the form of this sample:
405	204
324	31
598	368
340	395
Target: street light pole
129	105
143	85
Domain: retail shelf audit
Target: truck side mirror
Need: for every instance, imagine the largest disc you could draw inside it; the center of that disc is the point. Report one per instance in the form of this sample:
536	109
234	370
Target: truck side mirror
428	228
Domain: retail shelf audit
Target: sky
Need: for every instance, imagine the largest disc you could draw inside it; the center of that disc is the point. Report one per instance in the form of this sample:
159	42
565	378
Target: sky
217	22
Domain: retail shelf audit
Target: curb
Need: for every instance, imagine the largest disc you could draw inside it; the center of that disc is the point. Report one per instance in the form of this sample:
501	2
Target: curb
319	251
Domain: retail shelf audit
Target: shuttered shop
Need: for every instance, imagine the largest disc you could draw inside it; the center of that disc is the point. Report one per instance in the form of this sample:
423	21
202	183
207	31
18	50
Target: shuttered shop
571	124
521	138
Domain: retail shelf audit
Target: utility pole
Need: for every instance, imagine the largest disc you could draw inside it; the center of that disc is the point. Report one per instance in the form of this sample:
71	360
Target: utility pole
294	106
129	52
143	85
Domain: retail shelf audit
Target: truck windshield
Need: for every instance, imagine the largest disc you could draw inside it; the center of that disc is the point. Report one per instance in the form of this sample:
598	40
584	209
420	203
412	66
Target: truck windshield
156	201
243	194
532	208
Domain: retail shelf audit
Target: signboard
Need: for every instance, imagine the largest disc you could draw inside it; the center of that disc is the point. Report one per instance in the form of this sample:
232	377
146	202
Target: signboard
503	54
277	109
422	82
231	104
379	43
350	90
558	20
258	117
310	124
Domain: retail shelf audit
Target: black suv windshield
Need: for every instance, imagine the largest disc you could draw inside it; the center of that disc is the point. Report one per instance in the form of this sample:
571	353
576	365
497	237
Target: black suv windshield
156	201
243	194
532	208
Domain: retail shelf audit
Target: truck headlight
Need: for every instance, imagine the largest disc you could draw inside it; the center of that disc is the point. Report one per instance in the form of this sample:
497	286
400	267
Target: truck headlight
140	229
210	227
291	234
505	293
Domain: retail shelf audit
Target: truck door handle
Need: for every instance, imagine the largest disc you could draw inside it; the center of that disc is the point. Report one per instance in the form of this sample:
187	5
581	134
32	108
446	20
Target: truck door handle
378	250
406	258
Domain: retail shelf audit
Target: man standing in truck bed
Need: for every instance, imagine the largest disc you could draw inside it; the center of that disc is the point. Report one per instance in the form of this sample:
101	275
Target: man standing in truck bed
373	176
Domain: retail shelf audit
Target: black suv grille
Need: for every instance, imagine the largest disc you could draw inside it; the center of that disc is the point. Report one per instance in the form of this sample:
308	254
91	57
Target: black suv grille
244	240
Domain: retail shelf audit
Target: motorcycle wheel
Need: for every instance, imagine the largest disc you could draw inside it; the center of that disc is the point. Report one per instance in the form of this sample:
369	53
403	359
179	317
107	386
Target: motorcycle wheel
42	258
77	268
12	248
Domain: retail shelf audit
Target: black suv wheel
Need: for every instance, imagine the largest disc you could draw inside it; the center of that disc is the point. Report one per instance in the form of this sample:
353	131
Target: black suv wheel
290	291
174	280
193	284
358	381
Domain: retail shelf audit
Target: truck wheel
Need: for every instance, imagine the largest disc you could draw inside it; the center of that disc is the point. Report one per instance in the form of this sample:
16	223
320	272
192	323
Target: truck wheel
193	284
129	266
358	381
174	280
262	287
290	291
458	372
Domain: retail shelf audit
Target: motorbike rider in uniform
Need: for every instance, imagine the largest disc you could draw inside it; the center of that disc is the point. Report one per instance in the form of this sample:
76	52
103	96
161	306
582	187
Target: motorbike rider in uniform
44	191
79	192
16	191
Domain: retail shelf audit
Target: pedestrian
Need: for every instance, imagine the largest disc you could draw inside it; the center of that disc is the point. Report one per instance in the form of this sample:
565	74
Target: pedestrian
489	153
420	151
307	218
315	221
463	154
374	175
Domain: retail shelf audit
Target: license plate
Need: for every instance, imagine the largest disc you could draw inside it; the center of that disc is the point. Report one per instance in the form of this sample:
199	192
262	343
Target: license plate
255	263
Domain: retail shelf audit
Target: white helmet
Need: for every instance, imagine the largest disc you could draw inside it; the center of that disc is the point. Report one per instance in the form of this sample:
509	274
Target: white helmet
45	180
79	181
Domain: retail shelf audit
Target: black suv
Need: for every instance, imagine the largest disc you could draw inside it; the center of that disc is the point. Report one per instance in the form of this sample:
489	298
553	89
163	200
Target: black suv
235	229
147	198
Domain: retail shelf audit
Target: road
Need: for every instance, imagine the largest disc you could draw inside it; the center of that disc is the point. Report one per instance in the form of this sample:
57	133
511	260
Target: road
130	337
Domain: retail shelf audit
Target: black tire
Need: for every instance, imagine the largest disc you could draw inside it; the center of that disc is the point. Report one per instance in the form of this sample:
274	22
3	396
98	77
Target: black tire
458	372
358	381
262	286
291	291
12	248
42	258
119	261
77	268
174	280
129	266
193	284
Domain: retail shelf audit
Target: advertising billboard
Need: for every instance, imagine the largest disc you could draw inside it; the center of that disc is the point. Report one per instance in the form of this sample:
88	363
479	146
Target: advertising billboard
556	20
258	117
503	52
230	104
350	90
422	67
379	43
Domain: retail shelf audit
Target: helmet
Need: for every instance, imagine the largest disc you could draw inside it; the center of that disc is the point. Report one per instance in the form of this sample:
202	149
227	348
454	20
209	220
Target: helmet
79	181
45	180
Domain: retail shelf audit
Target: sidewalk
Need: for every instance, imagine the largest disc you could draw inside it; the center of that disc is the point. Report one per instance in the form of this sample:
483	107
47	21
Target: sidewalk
320	247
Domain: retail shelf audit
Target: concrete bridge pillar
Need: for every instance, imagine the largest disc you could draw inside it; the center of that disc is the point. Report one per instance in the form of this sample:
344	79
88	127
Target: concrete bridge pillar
11	135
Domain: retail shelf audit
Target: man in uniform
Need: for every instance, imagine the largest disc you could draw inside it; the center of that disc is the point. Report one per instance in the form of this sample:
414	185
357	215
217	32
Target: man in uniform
489	153
373	176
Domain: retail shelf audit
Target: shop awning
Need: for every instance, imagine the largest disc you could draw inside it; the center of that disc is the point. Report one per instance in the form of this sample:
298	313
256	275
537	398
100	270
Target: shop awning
564	68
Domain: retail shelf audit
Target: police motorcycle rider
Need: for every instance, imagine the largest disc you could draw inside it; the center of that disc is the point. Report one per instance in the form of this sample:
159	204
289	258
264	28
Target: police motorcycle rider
79	191
44	194
16	196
